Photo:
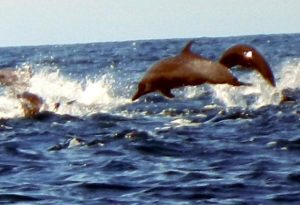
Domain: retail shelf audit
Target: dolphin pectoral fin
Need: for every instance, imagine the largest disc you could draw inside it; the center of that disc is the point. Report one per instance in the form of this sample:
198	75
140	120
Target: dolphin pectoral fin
167	93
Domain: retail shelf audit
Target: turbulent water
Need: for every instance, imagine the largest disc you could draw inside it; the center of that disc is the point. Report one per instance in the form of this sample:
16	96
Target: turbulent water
212	144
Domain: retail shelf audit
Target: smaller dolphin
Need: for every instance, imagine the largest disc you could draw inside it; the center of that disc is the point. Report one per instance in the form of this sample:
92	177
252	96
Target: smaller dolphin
185	69
31	103
249	57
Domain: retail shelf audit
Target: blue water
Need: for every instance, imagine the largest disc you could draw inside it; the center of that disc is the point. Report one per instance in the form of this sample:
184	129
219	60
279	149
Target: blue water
212	144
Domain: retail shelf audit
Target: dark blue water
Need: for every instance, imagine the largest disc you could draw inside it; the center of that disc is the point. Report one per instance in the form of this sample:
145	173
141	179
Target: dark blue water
212	144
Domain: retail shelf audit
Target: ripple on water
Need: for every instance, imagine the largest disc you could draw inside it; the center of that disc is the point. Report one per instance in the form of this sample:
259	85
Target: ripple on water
287	197
19	198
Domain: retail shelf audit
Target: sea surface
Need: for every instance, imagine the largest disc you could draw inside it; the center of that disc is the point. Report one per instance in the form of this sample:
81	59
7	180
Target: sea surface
211	144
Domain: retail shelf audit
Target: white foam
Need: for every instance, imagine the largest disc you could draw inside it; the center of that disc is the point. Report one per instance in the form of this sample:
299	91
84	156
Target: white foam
88	96
290	75
9	107
180	122
261	92
193	91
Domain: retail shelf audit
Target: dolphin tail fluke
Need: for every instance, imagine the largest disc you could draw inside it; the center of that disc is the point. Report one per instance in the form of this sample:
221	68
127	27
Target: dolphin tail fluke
246	56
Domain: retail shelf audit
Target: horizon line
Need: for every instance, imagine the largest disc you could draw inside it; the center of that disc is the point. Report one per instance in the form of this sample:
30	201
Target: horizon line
144	39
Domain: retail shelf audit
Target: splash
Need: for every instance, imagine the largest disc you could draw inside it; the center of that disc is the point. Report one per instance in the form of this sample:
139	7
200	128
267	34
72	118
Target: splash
290	75
260	93
78	98
255	96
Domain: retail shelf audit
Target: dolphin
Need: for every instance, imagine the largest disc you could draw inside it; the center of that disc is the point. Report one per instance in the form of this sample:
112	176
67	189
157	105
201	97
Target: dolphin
184	69
31	103
247	56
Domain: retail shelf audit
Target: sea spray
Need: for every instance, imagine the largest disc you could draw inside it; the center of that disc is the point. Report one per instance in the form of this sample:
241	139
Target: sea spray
290	74
76	97
255	96
260	93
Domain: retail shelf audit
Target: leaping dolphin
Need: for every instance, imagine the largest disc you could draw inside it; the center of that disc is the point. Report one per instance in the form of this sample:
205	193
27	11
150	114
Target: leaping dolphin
190	69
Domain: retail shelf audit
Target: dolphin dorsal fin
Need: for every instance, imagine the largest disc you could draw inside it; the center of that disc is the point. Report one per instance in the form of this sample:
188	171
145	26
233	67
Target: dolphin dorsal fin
186	51
187	48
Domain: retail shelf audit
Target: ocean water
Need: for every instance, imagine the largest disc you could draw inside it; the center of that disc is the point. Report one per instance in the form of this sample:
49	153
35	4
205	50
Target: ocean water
212	144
